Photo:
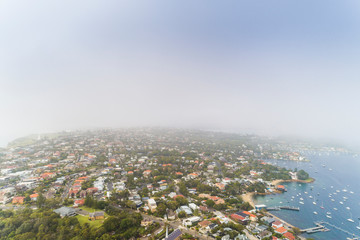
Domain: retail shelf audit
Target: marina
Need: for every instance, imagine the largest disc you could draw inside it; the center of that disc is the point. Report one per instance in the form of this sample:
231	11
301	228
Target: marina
320	201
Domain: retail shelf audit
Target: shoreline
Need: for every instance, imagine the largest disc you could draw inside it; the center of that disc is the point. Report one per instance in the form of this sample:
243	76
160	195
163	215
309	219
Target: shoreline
249	197
278	181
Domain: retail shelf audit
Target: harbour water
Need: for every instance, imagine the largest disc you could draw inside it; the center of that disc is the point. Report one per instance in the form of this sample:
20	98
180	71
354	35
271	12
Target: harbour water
334	197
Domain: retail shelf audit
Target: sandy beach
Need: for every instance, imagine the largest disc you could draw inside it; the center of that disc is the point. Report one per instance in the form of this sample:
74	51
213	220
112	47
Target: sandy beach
248	197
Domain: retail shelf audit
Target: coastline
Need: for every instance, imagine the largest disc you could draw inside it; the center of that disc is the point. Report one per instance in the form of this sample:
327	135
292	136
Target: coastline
249	197
278	181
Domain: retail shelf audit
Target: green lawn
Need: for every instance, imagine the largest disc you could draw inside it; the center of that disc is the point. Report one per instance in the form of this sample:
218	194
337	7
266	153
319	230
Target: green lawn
85	219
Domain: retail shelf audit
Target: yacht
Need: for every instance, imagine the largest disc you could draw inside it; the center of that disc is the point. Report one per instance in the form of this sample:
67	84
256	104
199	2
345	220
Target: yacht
328	216
301	199
310	196
328	213
350	219
314	203
351	192
347	208
315	213
341	203
335	208
301	202
333	200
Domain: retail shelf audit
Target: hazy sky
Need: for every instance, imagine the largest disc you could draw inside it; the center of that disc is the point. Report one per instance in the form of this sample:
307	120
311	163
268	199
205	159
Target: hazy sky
268	67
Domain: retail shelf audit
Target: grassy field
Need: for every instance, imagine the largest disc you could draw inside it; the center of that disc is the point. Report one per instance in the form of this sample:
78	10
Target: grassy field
85	219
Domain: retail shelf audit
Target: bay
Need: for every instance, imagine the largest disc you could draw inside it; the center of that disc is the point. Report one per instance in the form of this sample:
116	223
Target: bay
337	186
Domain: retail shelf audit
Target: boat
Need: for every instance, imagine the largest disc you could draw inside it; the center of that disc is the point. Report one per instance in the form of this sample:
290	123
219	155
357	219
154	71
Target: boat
301	202
328	213
335	209
314	203
306	192
328	216
351	192
322	205
315	213
310	196
358	227
347	208
333	200
337	190
344	190
301	199
330	169
341	203
350	219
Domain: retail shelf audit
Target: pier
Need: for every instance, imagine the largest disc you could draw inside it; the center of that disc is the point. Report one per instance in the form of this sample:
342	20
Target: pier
319	228
283	208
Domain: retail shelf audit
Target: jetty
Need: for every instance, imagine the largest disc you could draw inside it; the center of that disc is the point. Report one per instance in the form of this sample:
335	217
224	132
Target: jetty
319	228
283	208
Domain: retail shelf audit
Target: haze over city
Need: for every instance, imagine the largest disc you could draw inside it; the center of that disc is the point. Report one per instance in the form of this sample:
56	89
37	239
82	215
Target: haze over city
264	67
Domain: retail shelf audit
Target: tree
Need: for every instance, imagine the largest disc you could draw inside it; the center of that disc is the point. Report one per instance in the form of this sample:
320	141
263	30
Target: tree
182	214
302	175
210	203
40	201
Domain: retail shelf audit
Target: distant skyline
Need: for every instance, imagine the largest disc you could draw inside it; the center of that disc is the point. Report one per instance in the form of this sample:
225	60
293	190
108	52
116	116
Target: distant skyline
264	67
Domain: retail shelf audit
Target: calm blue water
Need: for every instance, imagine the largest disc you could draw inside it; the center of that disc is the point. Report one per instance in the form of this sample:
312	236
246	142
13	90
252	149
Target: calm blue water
345	175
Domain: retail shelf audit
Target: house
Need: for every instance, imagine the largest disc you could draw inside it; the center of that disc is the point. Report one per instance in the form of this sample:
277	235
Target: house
18	200
79	202
191	220
277	224
204	223
175	235
34	196
280	230
152	204
281	188
184	208
96	215
65	212
265	234
289	236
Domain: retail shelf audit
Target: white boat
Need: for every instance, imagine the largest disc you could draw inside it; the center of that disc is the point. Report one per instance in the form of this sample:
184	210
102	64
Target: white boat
344	190
350	219
301	202
351	192
315	213
310	196
306	192
337	190
328	216
314	203
301	199
333	200
341	203
335	208
328	213
347	208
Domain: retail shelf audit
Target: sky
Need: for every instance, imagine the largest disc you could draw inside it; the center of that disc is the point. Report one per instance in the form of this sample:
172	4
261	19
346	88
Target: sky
265	67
